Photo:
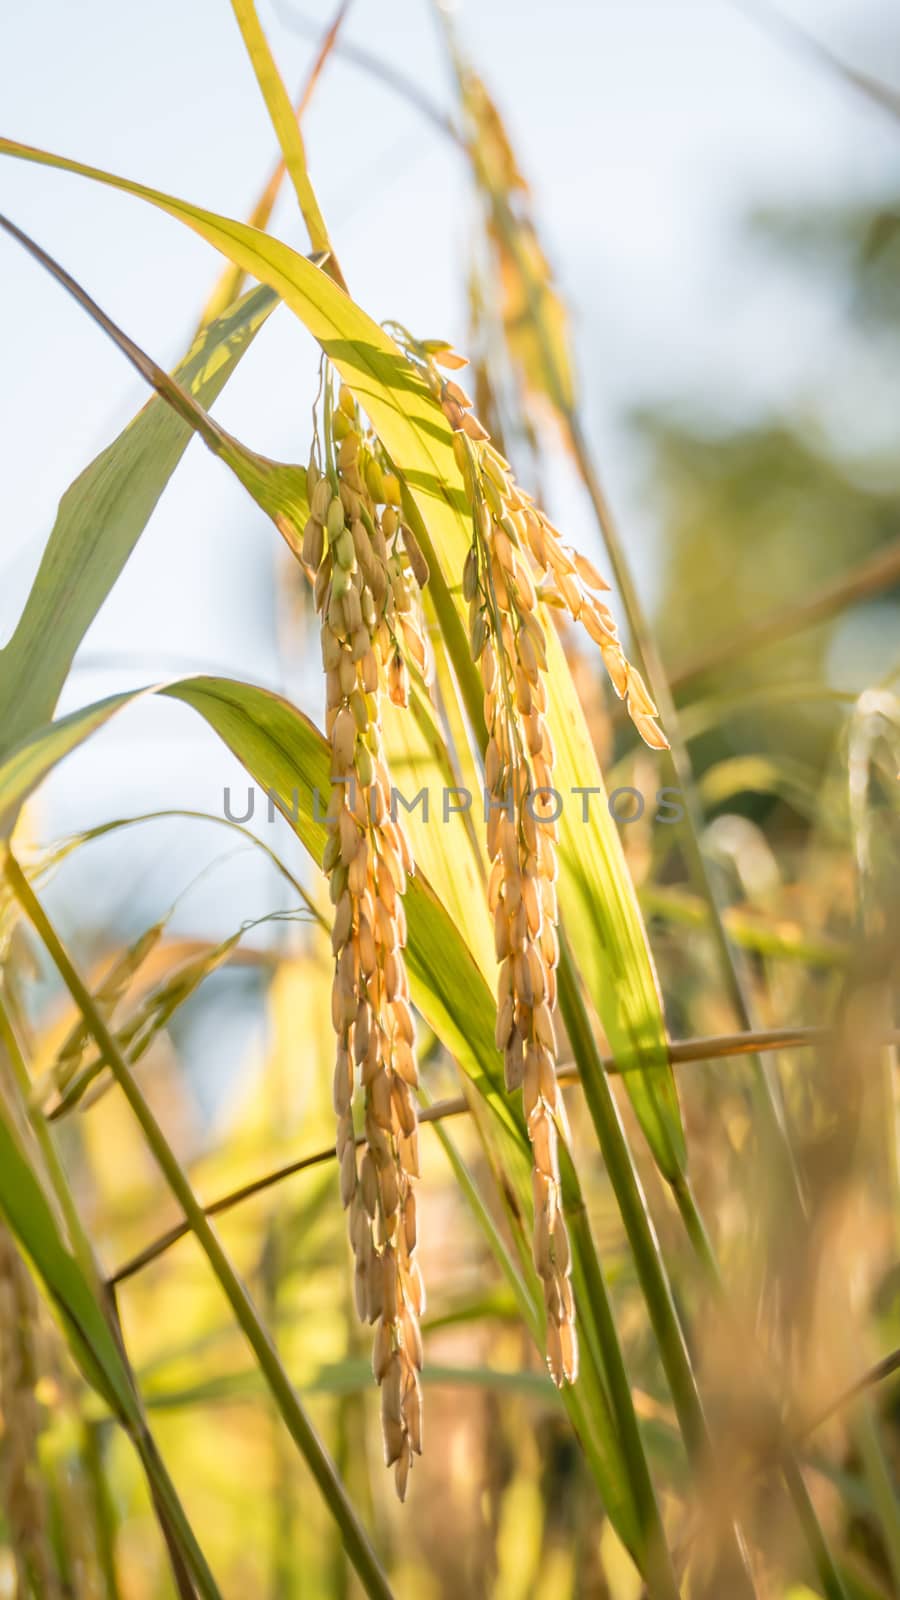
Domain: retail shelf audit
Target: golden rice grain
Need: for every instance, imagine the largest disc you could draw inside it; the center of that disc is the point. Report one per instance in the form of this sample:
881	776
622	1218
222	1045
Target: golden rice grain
367	565
516	559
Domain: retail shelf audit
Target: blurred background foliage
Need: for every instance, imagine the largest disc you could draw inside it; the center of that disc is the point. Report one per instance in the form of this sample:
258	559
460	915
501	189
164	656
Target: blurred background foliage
763	514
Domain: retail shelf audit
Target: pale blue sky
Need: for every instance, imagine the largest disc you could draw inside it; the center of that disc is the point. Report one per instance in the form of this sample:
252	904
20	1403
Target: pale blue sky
647	126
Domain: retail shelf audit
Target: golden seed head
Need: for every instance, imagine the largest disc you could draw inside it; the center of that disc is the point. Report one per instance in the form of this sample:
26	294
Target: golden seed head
367	604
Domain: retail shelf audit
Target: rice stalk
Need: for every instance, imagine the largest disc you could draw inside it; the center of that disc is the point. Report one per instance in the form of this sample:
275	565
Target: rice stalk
313	303
231	280
287	130
276	742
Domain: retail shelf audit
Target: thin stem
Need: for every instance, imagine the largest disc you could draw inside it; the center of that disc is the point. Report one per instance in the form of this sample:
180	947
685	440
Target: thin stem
885	1368
272	484
78	1238
685	1051
232	279
287	130
784	27
356	1540
633	1207
91	1455
596	1294
881	1482
878	572
383	71
828	1574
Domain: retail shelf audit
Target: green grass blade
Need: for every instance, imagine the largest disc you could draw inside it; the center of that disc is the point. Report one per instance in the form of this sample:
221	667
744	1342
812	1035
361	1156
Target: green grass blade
25	767
287	127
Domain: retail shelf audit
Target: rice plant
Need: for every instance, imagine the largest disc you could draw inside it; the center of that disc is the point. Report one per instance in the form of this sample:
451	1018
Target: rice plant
623	1098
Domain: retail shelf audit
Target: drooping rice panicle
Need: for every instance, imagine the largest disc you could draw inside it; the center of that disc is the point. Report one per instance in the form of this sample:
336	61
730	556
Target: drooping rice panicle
534	320
366	566
516	559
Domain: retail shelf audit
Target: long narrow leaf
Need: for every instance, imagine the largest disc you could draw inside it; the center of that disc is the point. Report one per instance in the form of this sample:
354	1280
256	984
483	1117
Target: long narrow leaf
286	124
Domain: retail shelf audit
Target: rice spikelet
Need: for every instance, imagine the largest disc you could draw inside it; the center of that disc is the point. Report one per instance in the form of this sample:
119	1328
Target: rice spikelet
518	558
365	566
534	320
